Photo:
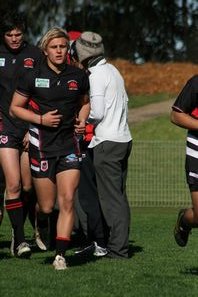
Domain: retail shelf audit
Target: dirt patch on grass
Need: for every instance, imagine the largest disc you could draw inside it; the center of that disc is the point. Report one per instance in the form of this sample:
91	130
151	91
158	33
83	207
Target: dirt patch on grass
152	78
149	111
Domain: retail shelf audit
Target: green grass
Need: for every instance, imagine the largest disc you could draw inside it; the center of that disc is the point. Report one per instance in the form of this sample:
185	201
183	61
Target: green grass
157	267
159	128
141	100
156	173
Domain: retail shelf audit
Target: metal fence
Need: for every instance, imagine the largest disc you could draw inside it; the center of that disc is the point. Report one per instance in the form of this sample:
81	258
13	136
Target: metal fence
156	175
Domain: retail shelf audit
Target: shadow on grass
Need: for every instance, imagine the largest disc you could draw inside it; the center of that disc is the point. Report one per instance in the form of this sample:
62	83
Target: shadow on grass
5	244
134	249
74	260
78	260
190	270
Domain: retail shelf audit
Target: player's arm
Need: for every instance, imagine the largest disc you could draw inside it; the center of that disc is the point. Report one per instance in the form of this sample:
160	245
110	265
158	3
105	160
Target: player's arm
184	120
18	108
82	114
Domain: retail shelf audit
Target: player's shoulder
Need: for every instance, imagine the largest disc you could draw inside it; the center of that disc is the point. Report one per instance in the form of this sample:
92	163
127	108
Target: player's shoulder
193	79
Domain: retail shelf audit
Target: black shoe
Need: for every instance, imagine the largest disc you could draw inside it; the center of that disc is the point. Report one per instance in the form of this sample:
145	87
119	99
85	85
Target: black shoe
86	249
181	233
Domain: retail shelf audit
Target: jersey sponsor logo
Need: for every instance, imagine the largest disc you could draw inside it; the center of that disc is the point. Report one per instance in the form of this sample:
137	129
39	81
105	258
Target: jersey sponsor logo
28	63
44	166
4	139
42	83
72	85
2	62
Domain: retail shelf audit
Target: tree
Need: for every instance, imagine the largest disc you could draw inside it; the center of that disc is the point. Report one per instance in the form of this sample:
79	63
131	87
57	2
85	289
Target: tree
143	30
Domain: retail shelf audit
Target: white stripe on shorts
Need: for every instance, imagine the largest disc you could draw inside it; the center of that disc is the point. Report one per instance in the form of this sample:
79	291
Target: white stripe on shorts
35	168
192	140
193	174
191	152
34	141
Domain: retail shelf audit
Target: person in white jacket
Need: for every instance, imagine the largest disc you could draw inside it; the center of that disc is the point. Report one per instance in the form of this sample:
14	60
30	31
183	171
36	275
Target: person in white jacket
112	142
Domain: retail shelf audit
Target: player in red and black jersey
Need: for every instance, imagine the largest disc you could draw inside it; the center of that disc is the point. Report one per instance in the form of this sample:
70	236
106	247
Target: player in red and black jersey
185	114
57	93
17	57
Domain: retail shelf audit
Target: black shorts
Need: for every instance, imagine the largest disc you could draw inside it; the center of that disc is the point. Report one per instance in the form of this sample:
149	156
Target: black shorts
11	141
41	168
192	173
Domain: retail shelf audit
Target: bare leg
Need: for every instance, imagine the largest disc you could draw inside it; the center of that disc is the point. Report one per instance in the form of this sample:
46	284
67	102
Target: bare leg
10	162
67	182
46	193
190	217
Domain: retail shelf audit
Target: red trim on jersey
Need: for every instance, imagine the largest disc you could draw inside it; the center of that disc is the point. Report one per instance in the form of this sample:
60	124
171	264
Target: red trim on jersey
33	104
195	112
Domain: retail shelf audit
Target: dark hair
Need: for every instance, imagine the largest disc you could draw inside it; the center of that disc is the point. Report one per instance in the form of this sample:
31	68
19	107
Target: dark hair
11	21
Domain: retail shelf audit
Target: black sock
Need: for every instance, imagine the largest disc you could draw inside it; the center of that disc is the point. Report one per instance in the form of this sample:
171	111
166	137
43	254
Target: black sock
14	209
62	245
42	220
29	203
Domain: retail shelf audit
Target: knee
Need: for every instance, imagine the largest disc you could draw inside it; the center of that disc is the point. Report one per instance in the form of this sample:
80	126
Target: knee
13	189
67	204
27	188
46	209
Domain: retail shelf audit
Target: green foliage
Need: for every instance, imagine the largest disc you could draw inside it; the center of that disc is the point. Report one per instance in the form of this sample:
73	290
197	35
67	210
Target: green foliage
133	30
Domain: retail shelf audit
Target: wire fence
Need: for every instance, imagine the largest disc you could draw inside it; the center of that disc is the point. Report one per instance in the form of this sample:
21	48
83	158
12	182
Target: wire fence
156	174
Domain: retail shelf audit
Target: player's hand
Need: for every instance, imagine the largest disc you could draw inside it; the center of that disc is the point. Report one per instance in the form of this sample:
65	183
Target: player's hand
51	118
79	126
26	142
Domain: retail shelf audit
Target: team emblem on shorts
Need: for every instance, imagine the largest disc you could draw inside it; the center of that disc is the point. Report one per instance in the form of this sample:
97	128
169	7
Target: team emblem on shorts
28	63
44	166
72	85
4	139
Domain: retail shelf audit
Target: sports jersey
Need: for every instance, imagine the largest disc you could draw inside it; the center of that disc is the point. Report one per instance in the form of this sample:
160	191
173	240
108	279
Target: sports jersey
187	102
49	91
12	65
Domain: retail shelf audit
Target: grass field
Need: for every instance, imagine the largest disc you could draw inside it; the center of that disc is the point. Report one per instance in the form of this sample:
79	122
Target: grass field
141	100
157	266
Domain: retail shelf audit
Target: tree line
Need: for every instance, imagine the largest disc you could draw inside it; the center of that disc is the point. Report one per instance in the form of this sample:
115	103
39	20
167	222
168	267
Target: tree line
139	31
